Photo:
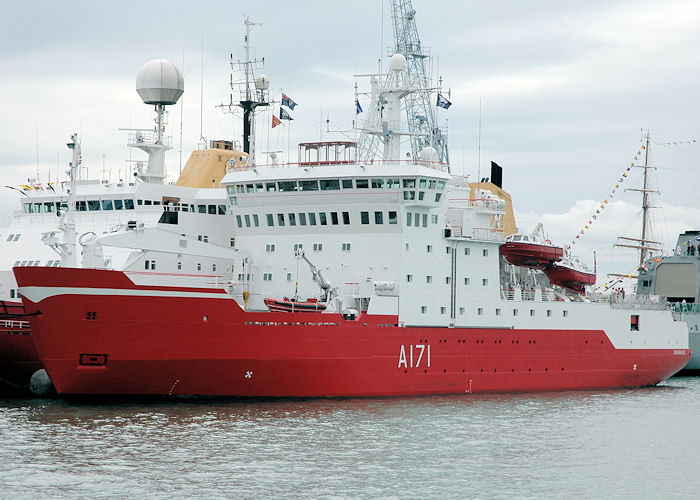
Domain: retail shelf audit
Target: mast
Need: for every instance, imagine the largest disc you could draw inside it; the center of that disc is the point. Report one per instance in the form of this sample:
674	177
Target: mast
644	244
253	91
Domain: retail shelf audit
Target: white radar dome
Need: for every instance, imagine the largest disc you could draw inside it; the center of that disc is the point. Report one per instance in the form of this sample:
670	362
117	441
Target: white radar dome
262	82
159	82
428	154
397	62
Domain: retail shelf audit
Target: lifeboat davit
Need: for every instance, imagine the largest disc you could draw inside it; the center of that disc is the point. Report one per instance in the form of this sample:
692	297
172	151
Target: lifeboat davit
570	273
528	251
294	305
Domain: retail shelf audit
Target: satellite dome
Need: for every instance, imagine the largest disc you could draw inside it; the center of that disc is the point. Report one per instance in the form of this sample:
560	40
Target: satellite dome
397	62
262	82
428	154
159	82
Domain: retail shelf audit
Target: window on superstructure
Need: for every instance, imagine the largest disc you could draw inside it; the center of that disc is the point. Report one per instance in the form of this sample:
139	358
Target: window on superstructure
565	314
50	207
362	183
211	209
289	276
549	313
93	205
334	218
423	309
202	209
270	186
312	219
409	195
485	282
416	219
437	197
421	195
421	183
318	247
147	264
485	252
302	219
107	205
346	247
409	183
247	220
532	312
441	185
429	248
28	208
346	217
267	277
239	221
347	183
409	217
480	311
280	220
407	247
393	218
498	312
270	220
466	251
256	221
213	268
118	204
199	266
17	263
443	309
49	263
308	185
292	219
221	209
466	281
330	184
461	310
297	246
249	188
39	208
259	188
428	279
409	278
12	293
179	265
233	242
322	218
81	206
241	277
270	247
9	238
448	250
379	217
23	263
286	186
377	183
148	202
129	204
364	217
205	238
447	280
425	220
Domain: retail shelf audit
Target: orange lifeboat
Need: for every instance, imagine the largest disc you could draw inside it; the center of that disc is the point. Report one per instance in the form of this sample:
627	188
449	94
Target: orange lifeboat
529	251
570	273
294	305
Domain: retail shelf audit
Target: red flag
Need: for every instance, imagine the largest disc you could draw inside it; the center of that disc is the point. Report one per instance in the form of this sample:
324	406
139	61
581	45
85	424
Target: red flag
275	121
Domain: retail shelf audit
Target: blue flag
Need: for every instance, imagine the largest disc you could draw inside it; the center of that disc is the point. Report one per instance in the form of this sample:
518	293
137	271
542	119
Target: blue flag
358	108
443	102
284	115
286	101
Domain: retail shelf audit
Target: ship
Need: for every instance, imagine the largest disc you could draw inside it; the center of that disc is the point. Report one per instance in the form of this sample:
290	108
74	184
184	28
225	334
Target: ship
419	306
677	277
57	221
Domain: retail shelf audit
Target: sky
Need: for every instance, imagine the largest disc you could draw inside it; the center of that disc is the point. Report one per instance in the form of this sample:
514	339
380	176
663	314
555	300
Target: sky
566	90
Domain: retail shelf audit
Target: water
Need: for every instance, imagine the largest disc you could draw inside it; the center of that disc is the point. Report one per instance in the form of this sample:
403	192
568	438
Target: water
640	443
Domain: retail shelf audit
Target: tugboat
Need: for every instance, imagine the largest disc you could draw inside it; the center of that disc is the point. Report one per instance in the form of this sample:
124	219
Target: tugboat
531	250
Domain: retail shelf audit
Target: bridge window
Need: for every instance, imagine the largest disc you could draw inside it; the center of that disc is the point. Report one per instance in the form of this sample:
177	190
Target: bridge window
409	183
308	185
377	183
202	209
362	183
347	183
93	205
129	204
330	184
286	186
270	186
107	205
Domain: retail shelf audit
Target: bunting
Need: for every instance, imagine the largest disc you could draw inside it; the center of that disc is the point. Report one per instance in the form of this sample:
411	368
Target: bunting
618	279
676	143
599	211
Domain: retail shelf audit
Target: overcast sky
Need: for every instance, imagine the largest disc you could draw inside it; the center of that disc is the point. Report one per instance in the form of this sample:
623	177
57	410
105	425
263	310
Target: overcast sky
566	89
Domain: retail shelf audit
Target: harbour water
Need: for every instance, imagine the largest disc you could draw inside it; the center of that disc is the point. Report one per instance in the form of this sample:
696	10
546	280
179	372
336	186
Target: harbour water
637	443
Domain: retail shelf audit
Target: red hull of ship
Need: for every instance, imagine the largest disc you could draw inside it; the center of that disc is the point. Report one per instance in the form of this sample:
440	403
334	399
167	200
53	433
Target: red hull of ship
529	254
18	356
164	345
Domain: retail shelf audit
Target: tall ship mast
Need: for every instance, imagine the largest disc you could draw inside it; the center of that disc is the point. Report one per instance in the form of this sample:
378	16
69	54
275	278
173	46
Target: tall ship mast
644	244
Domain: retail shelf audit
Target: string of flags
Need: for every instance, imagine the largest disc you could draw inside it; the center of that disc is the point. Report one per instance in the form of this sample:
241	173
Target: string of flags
284	114
617	279
599	210
676	143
